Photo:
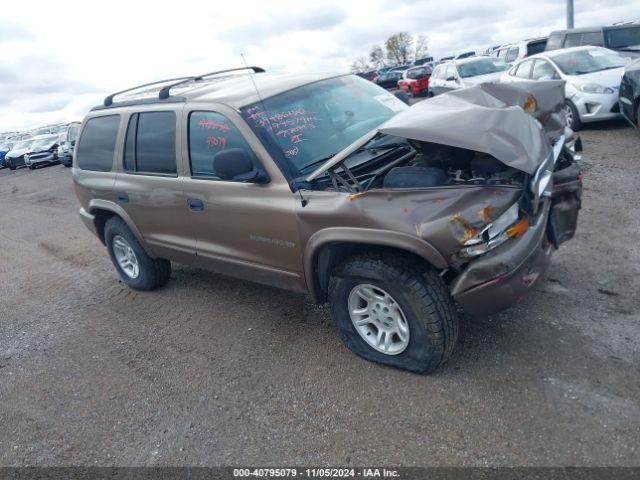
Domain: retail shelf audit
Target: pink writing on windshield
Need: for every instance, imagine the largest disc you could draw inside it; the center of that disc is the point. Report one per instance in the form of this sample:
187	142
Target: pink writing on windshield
213	125
216	142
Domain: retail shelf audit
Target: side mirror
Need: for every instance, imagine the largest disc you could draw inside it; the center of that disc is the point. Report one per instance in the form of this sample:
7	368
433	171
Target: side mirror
238	165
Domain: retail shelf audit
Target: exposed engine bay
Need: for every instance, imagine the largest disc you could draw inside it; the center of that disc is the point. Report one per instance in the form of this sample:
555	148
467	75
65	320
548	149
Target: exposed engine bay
436	165
424	165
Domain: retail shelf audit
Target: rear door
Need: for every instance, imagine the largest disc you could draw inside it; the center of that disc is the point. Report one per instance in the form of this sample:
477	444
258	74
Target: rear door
149	183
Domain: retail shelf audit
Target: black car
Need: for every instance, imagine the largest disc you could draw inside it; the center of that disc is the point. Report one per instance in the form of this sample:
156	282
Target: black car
629	98
624	38
389	79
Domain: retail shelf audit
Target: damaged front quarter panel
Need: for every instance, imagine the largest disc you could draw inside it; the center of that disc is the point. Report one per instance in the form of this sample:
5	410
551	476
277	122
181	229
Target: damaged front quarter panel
487	234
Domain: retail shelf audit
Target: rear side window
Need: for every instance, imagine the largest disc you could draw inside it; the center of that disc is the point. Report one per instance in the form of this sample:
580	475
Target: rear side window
512	55
572	40
98	143
592	38
150	145
555	41
210	133
536	47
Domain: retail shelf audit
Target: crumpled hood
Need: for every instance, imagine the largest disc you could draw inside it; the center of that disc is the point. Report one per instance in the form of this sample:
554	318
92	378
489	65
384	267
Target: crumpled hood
488	118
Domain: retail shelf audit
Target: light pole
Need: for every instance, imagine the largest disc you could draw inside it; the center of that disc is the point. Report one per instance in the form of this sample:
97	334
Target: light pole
569	13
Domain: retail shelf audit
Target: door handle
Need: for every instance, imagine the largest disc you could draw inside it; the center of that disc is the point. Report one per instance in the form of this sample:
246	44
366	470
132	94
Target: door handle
195	204
123	197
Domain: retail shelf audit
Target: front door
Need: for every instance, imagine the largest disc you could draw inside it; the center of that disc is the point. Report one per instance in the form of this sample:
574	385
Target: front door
247	230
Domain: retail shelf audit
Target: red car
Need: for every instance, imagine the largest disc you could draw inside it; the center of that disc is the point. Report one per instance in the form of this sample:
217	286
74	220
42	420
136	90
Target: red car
415	81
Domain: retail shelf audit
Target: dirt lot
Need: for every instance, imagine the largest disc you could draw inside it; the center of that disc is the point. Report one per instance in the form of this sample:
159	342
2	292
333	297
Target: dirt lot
211	370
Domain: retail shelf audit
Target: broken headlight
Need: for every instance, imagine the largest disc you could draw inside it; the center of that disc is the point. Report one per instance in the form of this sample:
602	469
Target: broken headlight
506	226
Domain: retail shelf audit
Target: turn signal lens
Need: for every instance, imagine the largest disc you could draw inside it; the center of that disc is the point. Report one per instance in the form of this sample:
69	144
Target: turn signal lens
518	229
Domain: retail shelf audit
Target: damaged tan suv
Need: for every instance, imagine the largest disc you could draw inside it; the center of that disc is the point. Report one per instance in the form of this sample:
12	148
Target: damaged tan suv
332	186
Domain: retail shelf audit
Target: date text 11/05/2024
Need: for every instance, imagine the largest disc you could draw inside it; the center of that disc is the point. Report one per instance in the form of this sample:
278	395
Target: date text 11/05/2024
316	472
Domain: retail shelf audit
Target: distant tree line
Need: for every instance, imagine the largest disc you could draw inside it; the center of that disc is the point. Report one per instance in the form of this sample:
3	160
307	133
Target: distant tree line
399	49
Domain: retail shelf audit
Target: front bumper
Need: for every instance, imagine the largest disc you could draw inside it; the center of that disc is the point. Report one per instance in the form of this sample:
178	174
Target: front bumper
36	160
594	107
503	277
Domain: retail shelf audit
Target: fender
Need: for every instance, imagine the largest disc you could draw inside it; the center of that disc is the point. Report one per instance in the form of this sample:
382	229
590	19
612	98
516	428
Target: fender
365	236
100	204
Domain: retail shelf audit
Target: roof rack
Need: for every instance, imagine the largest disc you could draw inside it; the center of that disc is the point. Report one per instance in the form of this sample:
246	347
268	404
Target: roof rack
164	92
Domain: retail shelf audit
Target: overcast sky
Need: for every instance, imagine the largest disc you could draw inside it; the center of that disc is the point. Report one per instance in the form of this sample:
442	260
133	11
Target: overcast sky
57	59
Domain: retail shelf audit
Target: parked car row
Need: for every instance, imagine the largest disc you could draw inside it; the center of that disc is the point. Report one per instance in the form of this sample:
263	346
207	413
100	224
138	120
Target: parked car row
43	146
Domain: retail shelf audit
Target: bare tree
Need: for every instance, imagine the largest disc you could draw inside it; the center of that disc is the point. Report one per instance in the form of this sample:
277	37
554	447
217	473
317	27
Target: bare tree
422	47
360	65
376	56
399	48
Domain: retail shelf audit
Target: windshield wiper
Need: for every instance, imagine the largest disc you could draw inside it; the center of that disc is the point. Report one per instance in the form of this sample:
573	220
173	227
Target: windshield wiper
315	163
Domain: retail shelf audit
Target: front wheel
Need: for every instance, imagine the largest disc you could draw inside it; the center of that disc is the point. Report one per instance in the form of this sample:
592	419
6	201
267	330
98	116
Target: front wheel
392	312
11	165
571	115
135	267
32	167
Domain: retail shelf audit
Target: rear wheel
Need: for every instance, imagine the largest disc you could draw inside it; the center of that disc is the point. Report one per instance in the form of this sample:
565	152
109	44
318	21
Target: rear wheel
135	267
32	167
571	115
392	312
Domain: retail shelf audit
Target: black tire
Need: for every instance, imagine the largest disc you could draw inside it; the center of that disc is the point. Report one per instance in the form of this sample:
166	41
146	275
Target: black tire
423	297
154	272
11	165
31	167
575	124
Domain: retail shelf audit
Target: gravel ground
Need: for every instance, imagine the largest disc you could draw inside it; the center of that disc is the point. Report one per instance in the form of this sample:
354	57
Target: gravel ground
215	371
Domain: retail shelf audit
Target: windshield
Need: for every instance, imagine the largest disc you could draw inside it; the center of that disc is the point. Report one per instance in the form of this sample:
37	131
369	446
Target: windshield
43	143
588	61
22	145
622	37
313	122
418	72
482	66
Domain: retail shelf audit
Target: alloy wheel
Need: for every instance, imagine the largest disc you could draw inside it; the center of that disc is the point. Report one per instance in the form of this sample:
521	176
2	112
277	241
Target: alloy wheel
378	319
125	256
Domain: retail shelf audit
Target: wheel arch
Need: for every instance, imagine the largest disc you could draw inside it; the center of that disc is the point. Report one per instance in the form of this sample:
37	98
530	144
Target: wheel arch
103	210
328	248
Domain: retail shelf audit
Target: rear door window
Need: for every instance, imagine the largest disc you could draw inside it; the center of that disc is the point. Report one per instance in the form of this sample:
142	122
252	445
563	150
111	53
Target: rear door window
150	145
98	143
210	133
512	55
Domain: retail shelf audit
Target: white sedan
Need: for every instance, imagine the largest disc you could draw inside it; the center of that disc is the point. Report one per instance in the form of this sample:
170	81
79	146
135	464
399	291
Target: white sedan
592	76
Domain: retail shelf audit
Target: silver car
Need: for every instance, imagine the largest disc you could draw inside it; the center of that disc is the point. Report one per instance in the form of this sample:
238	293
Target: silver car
592	79
466	72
